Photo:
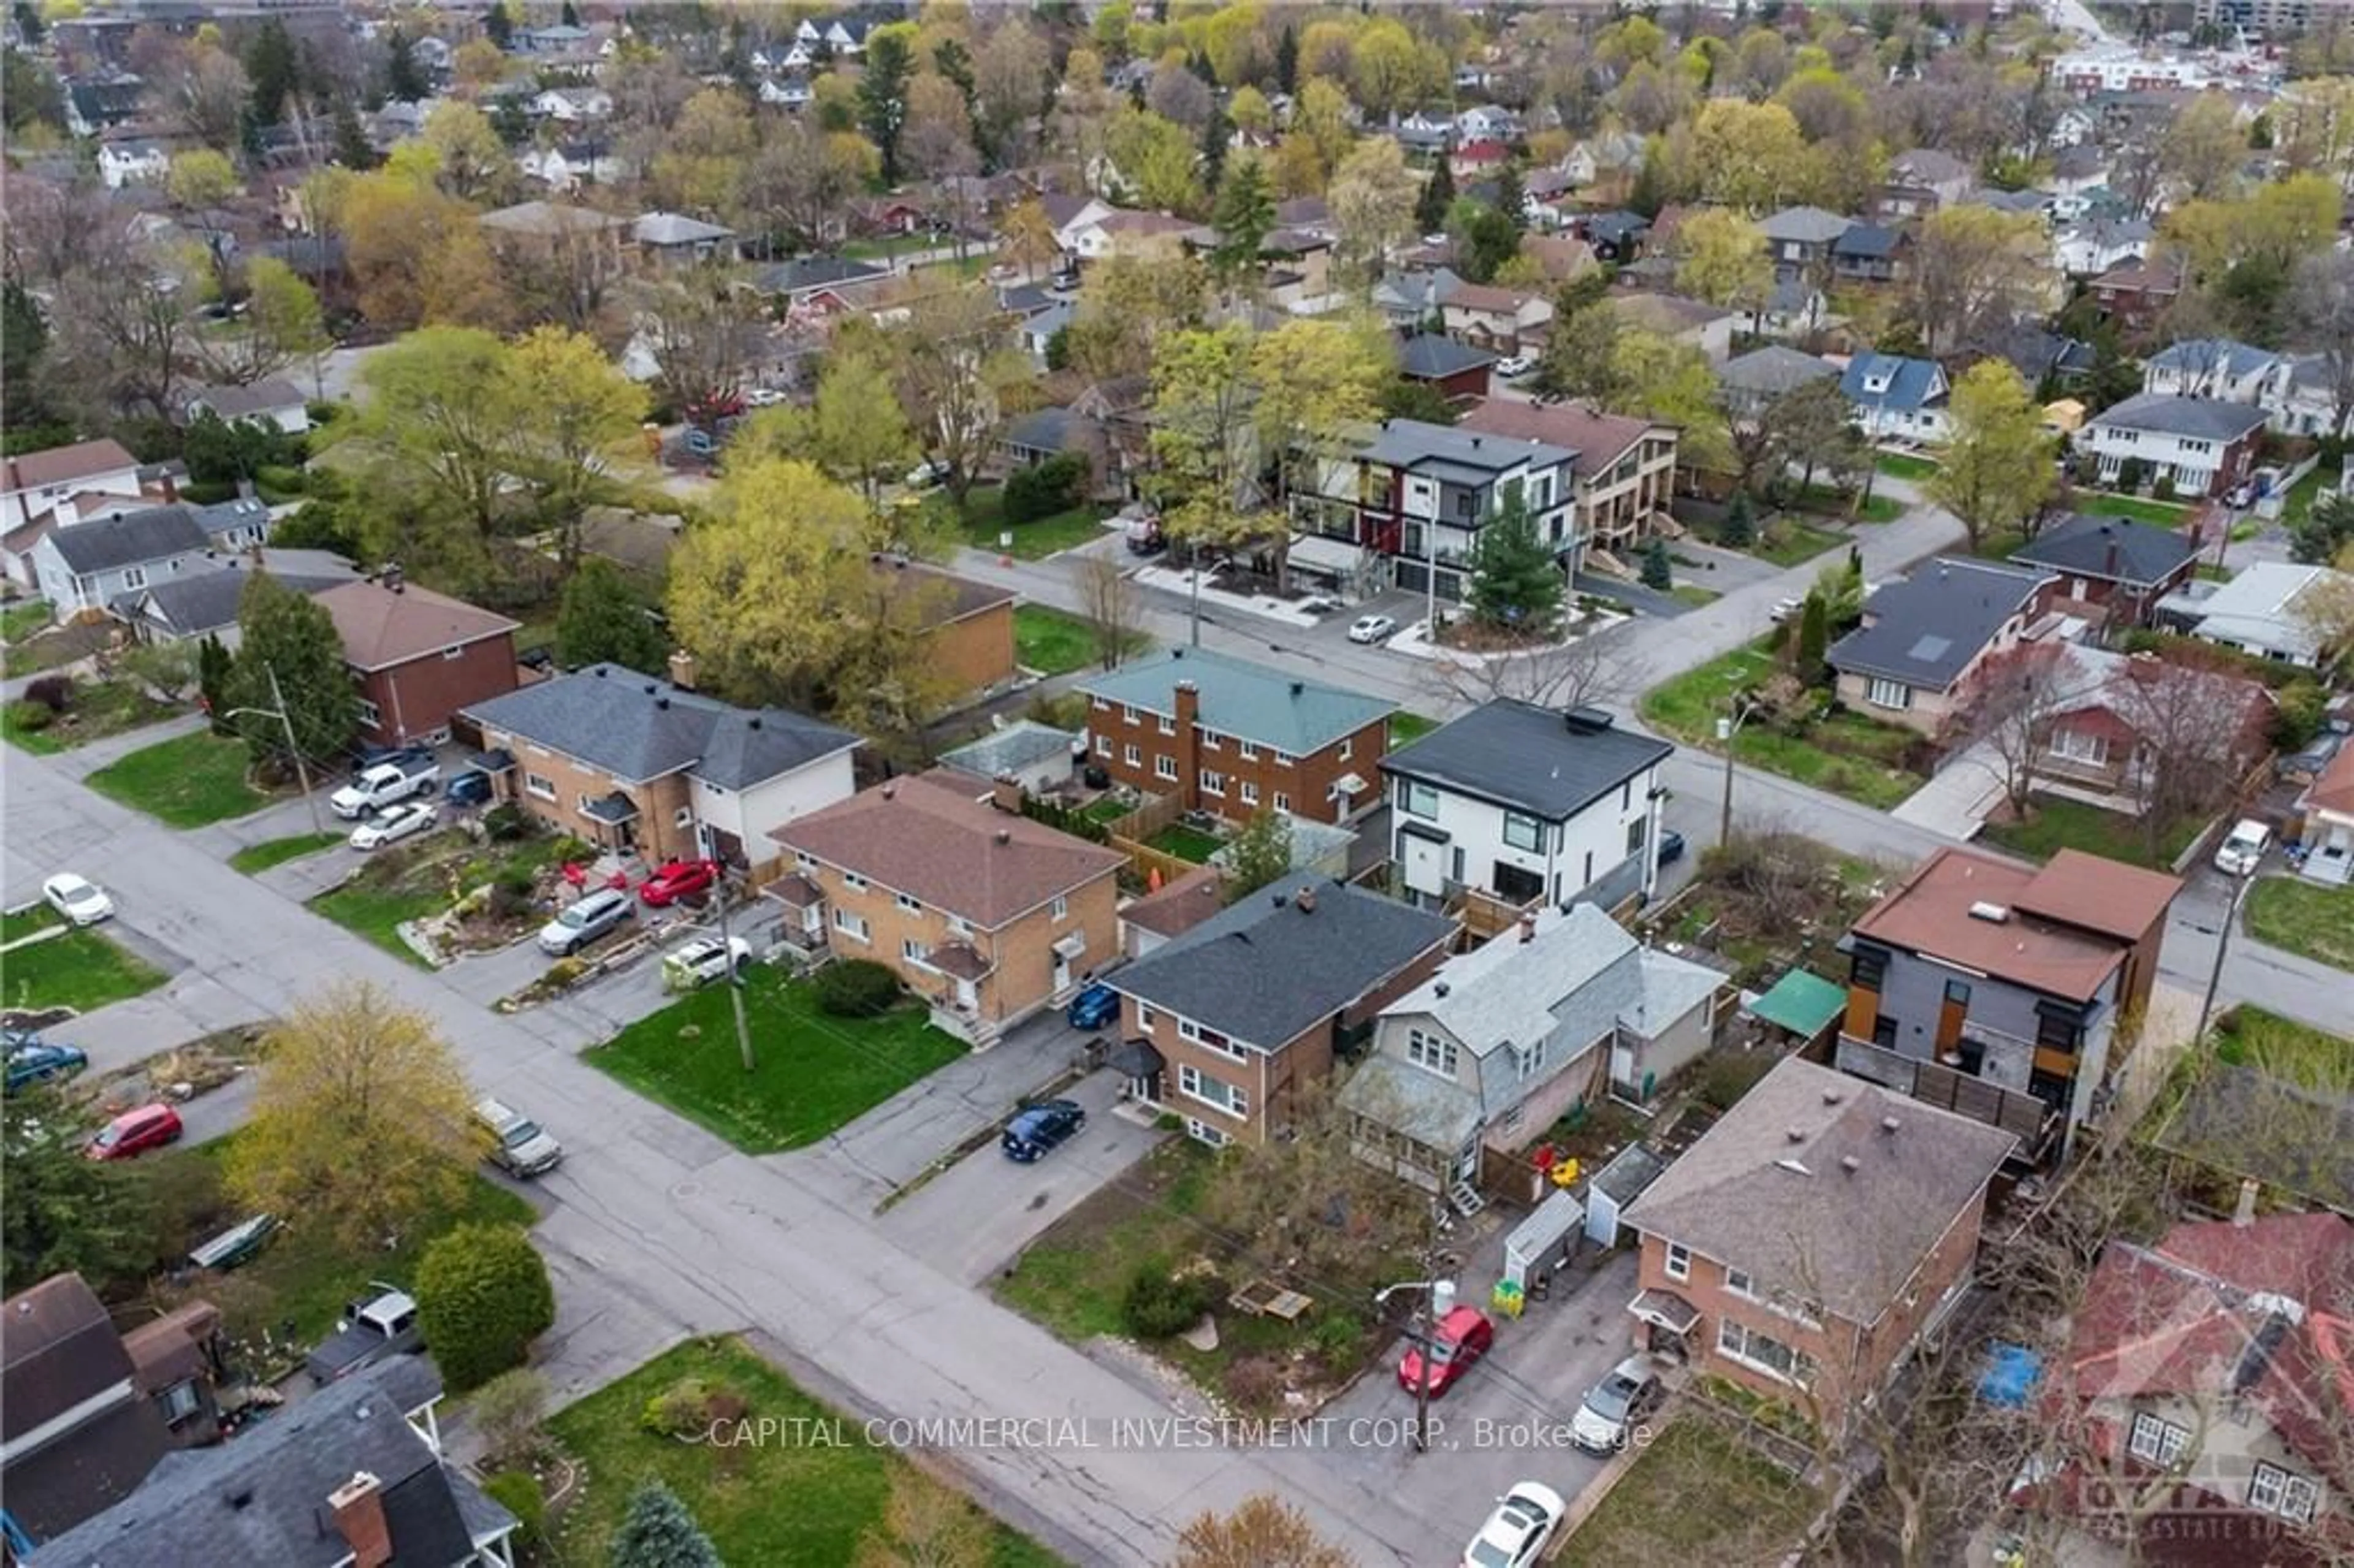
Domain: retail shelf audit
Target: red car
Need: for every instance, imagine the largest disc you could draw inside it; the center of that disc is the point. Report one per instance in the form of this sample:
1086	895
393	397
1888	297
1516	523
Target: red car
678	879
135	1132
1462	1337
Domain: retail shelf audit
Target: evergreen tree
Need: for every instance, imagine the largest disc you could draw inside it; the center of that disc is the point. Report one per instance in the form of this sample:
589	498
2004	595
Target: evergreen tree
1259	855
1658	572
882	96
64	1212
352	150
569	17
954	62
1516	582
1437	198
658	1532
1740	528
1217	134
1244	215
498	27
31	28
289	635
1198	64
602	620
1509	198
24	335
404	78
269	71
212	666
1286	60
1813	637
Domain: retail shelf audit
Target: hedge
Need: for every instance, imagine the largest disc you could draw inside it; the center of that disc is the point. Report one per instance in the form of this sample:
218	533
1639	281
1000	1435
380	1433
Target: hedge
1055	485
482	1297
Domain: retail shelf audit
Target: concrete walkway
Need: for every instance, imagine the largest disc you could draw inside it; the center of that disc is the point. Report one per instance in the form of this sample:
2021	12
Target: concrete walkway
1957	802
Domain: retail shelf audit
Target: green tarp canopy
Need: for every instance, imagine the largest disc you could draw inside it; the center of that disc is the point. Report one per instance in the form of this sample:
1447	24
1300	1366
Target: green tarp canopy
1802	1003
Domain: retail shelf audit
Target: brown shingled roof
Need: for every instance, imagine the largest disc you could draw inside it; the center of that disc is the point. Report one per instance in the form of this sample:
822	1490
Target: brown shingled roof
382	626
2067	926
1598	438
2099	894
61	465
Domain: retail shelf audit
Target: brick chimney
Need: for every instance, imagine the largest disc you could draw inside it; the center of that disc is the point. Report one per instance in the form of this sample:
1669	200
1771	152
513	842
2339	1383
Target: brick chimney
358	1505
682	669
1006	794
1188	744
1305	900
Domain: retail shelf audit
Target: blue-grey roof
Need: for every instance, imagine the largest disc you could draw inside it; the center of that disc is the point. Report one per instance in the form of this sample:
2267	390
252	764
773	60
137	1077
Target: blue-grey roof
637	728
1528	757
1805	225
2223	356
2111	549
1019	745
198	601
131	538
264	1498
1434	356
2204	418
1773	370
1926	629
1617	226
1040	430
1911	383
1249	701
1265	970
1416	443
814	272
1868	241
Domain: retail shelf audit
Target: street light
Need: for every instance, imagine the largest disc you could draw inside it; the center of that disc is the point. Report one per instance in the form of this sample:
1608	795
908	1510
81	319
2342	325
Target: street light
301	774
1726	729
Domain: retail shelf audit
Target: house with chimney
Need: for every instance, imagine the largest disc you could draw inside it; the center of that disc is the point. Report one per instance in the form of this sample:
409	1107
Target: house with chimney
1998	989
2200	447
82	566
1227	1023
1915	658
1224	735
34	488
984	913
1807	1244
2112	570
418	657
353	1476
654	768
86	1413
1469	1066
1512	804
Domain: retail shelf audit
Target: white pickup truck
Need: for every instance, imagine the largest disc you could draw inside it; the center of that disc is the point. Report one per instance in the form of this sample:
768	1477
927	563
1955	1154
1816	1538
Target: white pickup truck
383	784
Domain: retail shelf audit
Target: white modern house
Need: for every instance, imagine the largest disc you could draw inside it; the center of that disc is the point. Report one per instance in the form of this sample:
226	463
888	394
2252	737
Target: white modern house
2202	446
1523	804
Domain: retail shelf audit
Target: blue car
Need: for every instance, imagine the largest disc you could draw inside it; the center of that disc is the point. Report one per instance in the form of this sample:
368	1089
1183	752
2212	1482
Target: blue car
1094	1007
467	788
35	1061
1033	1131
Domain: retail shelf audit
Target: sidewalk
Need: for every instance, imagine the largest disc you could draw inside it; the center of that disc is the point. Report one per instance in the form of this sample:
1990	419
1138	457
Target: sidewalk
84	760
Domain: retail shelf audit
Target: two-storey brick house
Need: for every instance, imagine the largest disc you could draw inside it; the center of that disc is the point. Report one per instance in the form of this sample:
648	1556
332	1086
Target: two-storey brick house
2112	567
986	914
1234	739
418	656
1245	1010
1998	989
652	768
1621	479
1807	1243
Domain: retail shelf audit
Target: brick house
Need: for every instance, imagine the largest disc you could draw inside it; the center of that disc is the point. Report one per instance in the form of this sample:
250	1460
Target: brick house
653	768
2112	568
1248	1008
2136	295
2111	716
418	656
1806	1244
1456	371
1500	319
1234	739
1999	988
984	913
968	625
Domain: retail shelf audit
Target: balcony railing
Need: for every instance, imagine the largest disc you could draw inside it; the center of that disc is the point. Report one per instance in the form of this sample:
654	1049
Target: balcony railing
2031	1119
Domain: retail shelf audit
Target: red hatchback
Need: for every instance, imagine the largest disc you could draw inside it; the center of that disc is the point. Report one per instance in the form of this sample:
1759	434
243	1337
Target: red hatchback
679	879
1462	1337
135	1132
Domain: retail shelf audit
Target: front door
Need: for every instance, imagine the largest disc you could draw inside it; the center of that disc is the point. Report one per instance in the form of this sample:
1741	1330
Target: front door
1061	974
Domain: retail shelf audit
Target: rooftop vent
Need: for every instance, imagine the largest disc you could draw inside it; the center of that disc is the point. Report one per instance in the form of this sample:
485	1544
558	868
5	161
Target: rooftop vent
1994	913
1850	1164
1889	1124
1794	1134
661	702
1004	835
1439	990
1298	687
1588	720
1831	1096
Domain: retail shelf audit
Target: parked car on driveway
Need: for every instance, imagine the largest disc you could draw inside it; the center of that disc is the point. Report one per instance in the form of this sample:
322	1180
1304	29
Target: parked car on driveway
1672	847
2243	848
79	900
678	879
1093	1008
1371	628
394	823
585	920
384	784
372	1330
1040	1127
135	1132
707	959
1513	365
1518	1532
1457	1343
470	788
32	1060
1607	1421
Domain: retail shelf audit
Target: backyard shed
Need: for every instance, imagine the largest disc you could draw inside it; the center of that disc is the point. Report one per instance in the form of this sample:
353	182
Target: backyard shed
1544	1240
1613	1187
1803	1003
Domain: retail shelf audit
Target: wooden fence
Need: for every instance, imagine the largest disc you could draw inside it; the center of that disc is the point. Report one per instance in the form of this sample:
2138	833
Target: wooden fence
1144	860
1158	812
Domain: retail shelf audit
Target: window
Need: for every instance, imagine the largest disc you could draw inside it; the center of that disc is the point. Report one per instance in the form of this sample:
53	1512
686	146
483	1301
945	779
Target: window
1282	802
1433	1053
1201	1131
1284	759
1418	799
854	881
1249	750
959	927
1211	740
1249	793
1637	831
540	784
1128	715
2156	1442
1145	1016
134	576
1133	755
368	712
1165	768
1213	783
1884	692
179	1402
1868	968
683	818
1762	1353
455	651
1103	748
1958	993
804	860
1062	907
1522	832
1529	1060
1197	1085
1347	747
2276	1491
2074	745
908	902
850	925
1679	1264
1738	1282
915	952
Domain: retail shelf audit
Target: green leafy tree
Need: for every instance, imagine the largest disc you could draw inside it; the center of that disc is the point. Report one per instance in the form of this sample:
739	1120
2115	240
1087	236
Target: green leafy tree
29	95
603	620
1244	216
1484	239
289	636
1515	583
482	1297
2323	534
883	93
60	1212
24	339
1739	530
498	27
214	663
1260	855
1998	466
658	1532
858	429
1658	572
404	78
1437	198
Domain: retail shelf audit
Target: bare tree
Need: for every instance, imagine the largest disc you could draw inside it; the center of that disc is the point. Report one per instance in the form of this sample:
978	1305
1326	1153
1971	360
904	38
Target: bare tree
1264	1532
1577	672
2010	711
2323	305
2195	725
1114	611
703	327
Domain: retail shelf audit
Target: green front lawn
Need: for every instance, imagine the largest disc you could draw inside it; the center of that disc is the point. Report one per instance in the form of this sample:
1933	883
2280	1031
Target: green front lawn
1405	728
1897	465
1693	1495
1186	844
20	621
2302	493
1688	707
1072	1278
813	1072
1844	753
2285	1049
1056	642
256	858
2304	918
1829	501
186	782
101	709
789	1499
2165	514
984	520
379	913
1787	542
81	970
2057	824
1695	596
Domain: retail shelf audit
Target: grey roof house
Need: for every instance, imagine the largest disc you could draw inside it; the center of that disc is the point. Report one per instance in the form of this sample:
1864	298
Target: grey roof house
1754	380
2112	567
1925	636
1896	397
202	600
1488	1051
81	567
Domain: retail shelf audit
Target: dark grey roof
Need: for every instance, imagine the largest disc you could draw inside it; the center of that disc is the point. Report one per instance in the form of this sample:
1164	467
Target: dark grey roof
1926	629
1617	226
264	1498
815	272
1805	225
1774	370
196	602
243	402
1868	241
1531	758
131	538
1041	430
637	728
2200	416
1264	970
1435	357
2143	551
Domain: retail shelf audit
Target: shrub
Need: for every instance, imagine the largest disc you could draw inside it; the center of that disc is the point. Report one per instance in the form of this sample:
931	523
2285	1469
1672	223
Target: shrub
505	823
689	1407
209	492
2130	473
31	718
2164	489
519	1492
482	1297
1158	1304
1339	1337
55	693
1255	1382
1041	491
508	1413
2298	710
855	988
1725	1076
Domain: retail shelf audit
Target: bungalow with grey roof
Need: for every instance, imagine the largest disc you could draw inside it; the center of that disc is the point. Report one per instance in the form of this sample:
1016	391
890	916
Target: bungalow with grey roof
1925	636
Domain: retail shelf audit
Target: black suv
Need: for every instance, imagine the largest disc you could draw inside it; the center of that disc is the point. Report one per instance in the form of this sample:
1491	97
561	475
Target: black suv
1039	1128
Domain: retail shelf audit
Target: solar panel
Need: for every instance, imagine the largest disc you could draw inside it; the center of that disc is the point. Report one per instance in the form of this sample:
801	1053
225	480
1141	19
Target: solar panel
1930	649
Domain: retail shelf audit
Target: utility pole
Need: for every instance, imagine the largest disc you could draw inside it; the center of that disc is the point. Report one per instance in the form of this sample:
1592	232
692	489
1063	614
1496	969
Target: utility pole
301	774
735	971
1726	730
1423	1331
2240	885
